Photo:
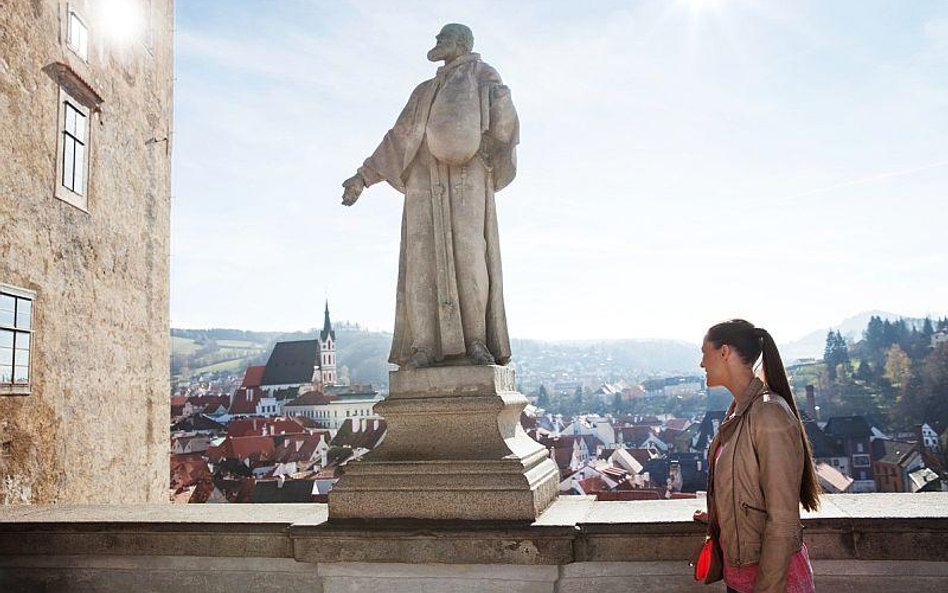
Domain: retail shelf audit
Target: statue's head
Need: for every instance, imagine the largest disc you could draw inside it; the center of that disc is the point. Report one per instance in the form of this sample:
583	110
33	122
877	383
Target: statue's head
453	41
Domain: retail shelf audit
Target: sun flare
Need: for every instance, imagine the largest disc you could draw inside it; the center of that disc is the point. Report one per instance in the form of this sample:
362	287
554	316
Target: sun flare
121	20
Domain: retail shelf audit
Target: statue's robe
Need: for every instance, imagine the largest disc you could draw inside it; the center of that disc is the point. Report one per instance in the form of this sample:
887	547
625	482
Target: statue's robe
451	148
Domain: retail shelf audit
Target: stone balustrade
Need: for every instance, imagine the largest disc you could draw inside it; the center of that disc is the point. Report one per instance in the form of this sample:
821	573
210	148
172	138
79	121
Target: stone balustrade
867	543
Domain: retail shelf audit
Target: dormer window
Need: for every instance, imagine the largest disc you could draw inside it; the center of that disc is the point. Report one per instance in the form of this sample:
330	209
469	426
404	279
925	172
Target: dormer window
77	36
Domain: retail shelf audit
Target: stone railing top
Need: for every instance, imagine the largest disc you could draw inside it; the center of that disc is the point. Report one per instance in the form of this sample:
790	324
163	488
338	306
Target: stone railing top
566	511
574	529
223	514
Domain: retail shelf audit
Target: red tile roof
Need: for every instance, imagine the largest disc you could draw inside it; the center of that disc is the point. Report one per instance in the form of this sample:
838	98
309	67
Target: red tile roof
255	448
593	485
281	426
360	433
244	427
678	423
563	457
298	448
253	376
313	398
634	434
188	470
209	401
245	400
303	421
202	491
641	455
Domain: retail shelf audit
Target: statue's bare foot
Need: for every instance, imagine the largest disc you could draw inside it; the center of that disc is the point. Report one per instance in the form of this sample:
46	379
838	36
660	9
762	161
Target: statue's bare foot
419	359
479	354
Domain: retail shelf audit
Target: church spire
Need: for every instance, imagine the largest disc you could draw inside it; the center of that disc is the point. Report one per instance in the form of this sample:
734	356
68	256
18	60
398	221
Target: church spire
327	326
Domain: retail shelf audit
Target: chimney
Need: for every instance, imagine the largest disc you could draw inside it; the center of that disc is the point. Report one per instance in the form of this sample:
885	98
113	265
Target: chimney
811	402
920	436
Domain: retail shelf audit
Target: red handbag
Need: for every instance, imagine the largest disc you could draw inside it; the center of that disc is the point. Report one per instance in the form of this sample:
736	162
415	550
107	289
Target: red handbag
708	563
702	563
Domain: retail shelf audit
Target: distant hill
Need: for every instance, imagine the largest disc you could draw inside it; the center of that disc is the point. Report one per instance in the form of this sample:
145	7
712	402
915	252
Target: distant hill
627	358
196	351
812	344
364	354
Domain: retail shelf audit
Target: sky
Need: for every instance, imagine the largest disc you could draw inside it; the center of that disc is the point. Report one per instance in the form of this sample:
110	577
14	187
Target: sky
681	161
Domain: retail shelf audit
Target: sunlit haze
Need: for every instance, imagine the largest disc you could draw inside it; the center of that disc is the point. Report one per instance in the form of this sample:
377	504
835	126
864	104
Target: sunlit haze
680	162
122	20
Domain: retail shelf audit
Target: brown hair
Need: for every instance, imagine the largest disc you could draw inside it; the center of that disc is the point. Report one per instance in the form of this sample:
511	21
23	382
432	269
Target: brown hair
750	343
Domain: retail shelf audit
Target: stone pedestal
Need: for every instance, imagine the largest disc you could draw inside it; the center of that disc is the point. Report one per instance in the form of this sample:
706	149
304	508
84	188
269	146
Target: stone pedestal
454	450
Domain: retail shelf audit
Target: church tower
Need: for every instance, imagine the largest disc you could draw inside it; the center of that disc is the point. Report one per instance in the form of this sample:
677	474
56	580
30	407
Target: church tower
327	351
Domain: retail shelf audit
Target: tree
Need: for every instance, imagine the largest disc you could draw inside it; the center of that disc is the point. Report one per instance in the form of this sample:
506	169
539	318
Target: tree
897	365
578	399
909	408
864	371
928	330
543	397
874	335
835	353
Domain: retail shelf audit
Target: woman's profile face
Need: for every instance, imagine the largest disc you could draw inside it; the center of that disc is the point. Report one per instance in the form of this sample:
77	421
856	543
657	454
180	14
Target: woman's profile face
713	363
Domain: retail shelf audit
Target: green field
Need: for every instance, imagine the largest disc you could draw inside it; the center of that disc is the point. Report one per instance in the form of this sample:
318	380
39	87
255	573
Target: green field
185	346
239	344
227	365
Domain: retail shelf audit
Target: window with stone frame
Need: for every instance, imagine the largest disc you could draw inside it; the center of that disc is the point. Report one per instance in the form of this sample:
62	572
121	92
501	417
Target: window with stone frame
77	35
72	158
16	339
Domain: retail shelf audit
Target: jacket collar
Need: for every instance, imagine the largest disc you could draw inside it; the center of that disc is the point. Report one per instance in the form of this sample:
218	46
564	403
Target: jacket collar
469	57
755	389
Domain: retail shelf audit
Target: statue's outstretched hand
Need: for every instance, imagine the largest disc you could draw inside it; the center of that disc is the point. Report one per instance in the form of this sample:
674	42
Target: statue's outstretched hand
353	189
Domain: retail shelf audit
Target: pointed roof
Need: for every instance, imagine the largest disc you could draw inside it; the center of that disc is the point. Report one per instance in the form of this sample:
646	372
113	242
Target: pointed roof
291	363
327	327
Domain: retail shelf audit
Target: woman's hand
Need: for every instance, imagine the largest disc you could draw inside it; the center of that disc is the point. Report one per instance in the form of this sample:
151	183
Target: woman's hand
701	516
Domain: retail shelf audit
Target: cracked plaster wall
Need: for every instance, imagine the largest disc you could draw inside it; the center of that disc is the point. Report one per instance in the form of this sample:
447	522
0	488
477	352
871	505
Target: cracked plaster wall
94	427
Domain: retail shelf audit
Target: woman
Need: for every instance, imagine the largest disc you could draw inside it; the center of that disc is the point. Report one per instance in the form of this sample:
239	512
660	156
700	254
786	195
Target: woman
761	466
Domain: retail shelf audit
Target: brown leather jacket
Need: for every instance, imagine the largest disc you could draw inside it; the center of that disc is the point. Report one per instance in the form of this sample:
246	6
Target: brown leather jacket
754	486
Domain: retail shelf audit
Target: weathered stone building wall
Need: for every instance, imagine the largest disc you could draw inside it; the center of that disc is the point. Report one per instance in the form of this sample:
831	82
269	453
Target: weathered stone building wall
94	425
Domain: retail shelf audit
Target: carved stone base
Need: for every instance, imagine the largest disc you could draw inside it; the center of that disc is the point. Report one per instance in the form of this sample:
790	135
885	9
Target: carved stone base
454	450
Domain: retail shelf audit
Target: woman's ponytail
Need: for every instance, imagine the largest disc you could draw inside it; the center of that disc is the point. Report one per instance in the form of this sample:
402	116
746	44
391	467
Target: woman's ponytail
775	376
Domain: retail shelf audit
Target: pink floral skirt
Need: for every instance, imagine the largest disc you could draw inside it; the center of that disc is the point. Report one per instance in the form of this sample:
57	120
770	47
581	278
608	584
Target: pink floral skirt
799	575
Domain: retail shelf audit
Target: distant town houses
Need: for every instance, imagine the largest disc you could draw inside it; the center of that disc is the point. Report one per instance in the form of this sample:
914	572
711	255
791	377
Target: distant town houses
283	434
661	457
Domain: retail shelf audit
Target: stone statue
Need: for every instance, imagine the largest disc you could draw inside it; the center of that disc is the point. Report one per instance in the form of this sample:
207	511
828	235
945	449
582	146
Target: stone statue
451	148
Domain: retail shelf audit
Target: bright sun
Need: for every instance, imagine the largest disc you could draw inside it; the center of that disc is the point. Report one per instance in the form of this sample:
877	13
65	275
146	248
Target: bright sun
121	20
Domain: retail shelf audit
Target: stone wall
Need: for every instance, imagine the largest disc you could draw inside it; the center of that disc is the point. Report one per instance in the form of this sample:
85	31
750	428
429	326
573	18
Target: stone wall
94	425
